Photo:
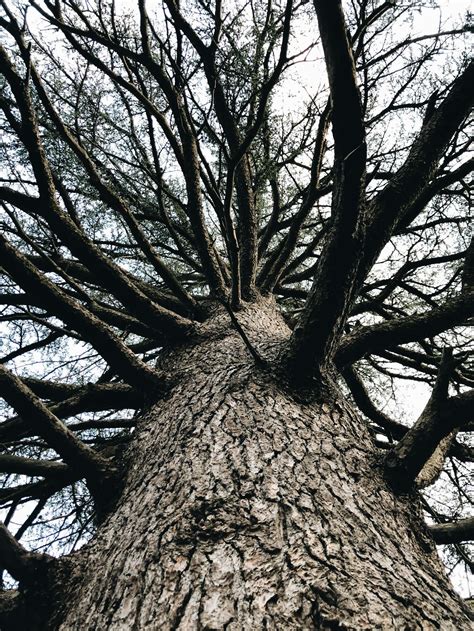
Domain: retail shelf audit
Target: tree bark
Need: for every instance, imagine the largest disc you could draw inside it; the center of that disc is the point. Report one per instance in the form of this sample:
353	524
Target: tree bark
246	508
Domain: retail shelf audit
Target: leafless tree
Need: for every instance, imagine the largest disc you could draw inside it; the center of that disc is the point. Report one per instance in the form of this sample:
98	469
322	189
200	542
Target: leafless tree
230	231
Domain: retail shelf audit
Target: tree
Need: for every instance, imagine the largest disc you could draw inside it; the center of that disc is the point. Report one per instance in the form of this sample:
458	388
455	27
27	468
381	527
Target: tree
216	277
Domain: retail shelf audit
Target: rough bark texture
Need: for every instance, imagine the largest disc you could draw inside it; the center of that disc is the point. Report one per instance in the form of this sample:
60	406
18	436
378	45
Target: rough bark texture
245	508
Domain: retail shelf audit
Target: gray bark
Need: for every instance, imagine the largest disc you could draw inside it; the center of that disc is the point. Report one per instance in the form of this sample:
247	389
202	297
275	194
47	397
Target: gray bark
245	508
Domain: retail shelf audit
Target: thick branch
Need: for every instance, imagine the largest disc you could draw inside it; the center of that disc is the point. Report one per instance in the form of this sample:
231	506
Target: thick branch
457	411
316	333
74	400
11	610
455	532
413	179
107	344
365	405
20	563
431	190
82	273
30	466
91	397
371	339
407	459
434	465
74	452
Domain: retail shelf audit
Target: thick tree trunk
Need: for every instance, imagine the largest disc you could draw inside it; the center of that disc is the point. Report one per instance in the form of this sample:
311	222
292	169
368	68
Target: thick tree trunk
245	508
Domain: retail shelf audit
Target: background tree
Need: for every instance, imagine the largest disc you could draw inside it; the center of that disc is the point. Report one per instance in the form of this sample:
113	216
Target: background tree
207	248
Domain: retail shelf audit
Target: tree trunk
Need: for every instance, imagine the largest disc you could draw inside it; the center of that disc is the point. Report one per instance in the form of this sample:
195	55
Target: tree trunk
245	508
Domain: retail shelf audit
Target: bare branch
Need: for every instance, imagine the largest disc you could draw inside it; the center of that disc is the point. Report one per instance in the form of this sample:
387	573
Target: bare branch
407	459
65	227
371	339
415	175
456	412
462	530
75	453
365	405
74	400
102	339
314	338
30	466
20	563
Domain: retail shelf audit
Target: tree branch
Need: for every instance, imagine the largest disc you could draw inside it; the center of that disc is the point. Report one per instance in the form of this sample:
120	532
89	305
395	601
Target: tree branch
457	411
365	405
106	343
413	178
30	466
239	163
405	461
74	452
73	400
378	337
314	338
430	191
455	532
20	563
273	267
62	225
